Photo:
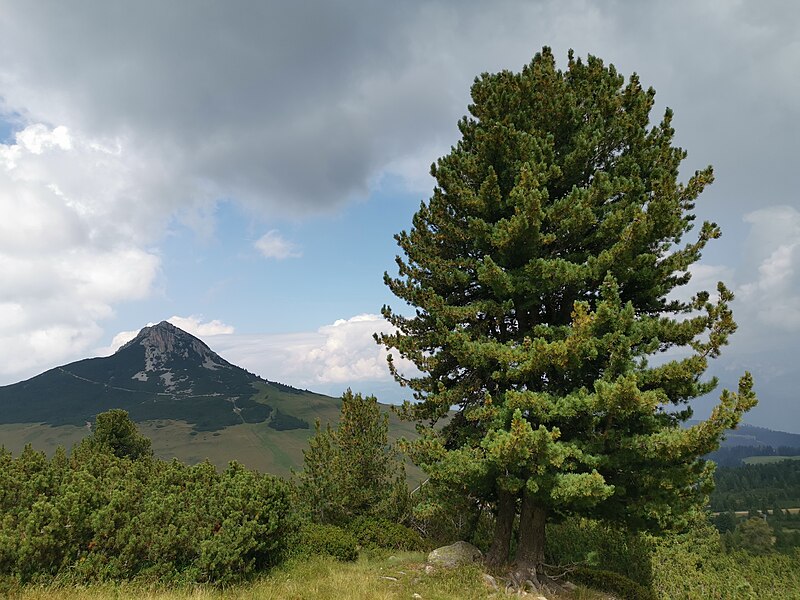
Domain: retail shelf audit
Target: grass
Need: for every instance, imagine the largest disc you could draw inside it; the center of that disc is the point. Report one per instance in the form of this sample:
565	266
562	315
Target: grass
41	436
388	578
394	577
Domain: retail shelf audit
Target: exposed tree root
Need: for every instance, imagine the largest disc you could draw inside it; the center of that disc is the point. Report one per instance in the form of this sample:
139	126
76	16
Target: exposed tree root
529	579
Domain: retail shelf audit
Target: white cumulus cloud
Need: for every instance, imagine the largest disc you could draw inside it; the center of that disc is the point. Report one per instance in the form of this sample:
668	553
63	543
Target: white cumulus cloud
273	245
770	291
36	138
197	327
348	352
69	247
336	356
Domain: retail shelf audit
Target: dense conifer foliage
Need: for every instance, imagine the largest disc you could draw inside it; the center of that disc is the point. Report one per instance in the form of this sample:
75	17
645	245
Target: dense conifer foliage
352	470
110	511
757	487
114	431
698	563
541	271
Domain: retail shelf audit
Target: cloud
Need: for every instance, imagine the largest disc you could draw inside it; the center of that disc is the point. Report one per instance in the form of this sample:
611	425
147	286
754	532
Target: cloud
67	253
300	108
770	291
766	283
273	245
349	352
297	109
336	356
292	108
119	340
130	115
36	138
704	278
197	327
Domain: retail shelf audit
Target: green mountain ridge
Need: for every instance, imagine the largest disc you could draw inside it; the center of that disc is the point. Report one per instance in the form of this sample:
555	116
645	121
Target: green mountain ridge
751	435
163	373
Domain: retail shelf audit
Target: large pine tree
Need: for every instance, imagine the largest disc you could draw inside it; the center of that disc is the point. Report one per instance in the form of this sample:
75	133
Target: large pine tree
541	271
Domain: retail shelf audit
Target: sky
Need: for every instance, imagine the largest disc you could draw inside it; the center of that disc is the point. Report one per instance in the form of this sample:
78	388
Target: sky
240	168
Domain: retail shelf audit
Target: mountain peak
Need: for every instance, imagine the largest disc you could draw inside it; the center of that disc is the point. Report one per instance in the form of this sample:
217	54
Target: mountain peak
164	342
163	374
163	330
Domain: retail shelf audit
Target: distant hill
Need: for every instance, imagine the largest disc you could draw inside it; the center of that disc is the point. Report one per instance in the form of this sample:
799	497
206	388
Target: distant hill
190	401
163	373
747	441
750	435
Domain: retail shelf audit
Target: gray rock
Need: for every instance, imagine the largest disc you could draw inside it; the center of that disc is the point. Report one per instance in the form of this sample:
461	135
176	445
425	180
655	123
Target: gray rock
460	553
568	585
490	582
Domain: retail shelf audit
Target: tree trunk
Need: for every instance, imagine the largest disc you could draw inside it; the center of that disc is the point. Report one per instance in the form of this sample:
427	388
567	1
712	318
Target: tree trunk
504	524
529	562
473	519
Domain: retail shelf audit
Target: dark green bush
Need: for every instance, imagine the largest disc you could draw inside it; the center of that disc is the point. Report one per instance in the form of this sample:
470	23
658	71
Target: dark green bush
608	581
443	515
329	540
691	565
381	533
106	515
595	544
283	422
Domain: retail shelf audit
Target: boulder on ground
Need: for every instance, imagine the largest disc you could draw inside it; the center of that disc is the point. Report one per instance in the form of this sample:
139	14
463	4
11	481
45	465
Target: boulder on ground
454	555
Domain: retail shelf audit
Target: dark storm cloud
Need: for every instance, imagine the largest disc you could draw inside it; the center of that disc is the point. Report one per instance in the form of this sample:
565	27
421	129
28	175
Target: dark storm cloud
283	103
302	104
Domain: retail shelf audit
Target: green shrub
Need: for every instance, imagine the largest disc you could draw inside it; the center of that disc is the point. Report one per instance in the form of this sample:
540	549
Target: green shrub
329	540
444	515
9	586
694	566
595	544
608	581
106	515
691	565
381	533
753	535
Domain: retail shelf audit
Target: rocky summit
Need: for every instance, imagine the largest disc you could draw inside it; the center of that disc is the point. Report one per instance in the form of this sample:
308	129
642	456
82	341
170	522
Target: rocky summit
168	356
163	373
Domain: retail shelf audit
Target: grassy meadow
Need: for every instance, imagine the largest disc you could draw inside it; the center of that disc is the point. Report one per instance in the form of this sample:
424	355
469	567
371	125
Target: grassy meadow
388	577
255	445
